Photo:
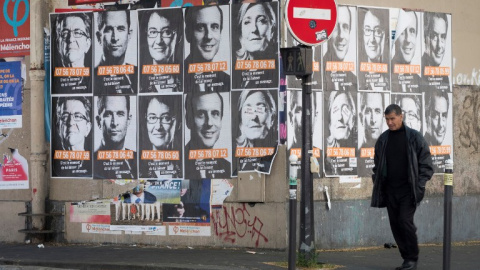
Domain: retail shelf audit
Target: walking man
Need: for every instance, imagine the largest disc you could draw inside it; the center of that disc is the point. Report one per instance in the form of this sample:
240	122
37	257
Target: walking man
403	165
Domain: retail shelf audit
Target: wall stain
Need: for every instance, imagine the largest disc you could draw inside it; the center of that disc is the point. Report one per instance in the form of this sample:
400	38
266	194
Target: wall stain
469	136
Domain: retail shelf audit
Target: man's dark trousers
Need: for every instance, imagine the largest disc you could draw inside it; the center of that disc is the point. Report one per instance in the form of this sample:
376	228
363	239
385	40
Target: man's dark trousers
401	209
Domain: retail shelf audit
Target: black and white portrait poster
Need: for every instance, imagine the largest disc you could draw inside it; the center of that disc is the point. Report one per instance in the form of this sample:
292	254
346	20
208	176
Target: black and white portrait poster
340	59
340	133
207	48
373	49
412	108
161	50
296	83
294	125
208	151
254	129
406	52
255	45
72	136
71	47
371	124
437	51
115	133
439	127
160	136
115	52
294	122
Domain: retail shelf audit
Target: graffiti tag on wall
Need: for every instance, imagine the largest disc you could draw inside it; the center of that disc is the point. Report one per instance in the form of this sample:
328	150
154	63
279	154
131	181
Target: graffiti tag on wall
231	224
469	122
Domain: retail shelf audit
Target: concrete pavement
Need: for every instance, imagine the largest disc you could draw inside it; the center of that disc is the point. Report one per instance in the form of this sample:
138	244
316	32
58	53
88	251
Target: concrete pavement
119	257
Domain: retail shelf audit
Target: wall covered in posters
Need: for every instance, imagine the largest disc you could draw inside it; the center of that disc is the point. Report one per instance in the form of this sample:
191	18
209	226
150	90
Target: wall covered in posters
192	93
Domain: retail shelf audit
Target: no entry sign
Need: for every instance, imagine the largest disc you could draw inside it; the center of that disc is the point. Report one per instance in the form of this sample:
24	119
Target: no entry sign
311	21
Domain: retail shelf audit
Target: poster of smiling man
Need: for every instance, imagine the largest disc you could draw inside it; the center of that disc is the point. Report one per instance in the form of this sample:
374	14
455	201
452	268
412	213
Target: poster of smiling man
340	59
406	53
437	51
208	135
439	127
207	48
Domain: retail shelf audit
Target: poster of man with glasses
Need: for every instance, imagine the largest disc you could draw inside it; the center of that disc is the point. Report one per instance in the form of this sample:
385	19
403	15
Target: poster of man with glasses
72	136
71	53
373	49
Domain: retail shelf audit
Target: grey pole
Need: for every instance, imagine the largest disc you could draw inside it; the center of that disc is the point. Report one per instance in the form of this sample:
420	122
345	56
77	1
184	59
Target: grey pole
447	215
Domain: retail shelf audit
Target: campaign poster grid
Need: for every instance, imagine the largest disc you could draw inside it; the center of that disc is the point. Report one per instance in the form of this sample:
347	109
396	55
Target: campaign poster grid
418	62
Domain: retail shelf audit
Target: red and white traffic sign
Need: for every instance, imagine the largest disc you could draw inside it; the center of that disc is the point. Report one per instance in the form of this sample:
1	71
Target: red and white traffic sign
311	22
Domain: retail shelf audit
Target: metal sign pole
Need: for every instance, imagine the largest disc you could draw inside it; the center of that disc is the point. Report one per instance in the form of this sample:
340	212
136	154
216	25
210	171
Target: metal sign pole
307	232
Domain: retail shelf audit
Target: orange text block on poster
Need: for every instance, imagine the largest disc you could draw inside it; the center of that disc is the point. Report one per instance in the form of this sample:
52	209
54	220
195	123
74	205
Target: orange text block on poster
254	151
161	69
71	155
208	153
367	152
207	67
255	64
72	71
115	70
115	154
160	155
373	67
406	69
441	149
436	71
339	66
340	152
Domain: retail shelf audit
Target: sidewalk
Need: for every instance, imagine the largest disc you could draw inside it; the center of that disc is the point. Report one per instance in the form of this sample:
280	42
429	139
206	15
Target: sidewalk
105	257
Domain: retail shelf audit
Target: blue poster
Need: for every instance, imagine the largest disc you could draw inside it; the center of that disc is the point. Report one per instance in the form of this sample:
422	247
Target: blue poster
10	95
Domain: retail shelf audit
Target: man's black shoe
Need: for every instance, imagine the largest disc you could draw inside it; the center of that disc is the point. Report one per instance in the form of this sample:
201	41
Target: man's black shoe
407	265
